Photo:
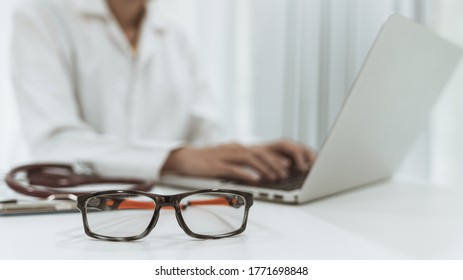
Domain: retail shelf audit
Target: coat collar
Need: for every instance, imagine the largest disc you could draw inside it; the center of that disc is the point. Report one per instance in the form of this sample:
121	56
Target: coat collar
96	8
99	8
154	26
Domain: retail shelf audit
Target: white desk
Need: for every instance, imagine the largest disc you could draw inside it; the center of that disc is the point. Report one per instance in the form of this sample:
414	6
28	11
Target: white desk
391	220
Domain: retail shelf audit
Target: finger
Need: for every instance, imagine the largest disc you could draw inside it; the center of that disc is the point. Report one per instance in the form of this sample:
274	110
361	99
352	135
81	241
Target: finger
296	153
277	163
232	171
310	156
248	158
238	154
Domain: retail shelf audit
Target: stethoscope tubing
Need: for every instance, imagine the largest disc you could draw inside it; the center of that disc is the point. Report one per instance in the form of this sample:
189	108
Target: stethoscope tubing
36	182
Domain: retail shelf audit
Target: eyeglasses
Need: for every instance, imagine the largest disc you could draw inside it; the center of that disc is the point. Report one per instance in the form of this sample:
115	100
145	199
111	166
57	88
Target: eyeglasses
127	215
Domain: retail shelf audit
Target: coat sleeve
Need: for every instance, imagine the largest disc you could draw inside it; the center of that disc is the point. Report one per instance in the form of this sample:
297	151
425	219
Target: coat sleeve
46	95
206	121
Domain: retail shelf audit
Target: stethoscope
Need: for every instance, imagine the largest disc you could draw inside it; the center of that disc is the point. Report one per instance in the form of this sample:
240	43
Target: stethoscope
54	181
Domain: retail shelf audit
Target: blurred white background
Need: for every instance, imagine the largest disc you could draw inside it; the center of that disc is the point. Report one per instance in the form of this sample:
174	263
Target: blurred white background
283	68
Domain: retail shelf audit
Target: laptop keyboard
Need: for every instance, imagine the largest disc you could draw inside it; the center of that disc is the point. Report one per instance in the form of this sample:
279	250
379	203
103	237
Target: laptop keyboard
294	181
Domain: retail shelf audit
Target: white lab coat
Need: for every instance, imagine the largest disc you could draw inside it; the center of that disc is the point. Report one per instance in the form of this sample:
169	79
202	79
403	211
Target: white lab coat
84	95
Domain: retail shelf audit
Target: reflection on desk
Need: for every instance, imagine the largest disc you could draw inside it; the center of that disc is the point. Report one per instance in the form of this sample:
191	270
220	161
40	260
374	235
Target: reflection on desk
389	220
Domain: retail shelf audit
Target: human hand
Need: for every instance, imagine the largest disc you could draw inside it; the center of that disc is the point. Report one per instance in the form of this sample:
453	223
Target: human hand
270	161
299	155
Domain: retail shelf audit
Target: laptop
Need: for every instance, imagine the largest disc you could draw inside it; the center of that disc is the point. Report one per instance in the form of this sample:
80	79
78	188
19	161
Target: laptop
388	105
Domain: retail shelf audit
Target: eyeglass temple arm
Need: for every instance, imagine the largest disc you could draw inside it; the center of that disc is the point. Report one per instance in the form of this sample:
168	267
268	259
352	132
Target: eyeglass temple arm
118	203
224	200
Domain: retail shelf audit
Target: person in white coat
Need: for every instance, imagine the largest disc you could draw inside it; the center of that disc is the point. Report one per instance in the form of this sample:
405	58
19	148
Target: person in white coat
113	82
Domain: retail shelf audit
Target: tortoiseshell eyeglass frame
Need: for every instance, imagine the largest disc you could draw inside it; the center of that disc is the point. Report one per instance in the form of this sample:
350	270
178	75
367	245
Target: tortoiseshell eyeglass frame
172	202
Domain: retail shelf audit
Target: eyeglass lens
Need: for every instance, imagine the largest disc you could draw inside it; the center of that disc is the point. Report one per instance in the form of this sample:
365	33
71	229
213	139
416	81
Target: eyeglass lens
128	215
119	215
212	214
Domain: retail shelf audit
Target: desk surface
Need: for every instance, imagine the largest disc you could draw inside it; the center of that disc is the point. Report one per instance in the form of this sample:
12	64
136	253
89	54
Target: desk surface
390	220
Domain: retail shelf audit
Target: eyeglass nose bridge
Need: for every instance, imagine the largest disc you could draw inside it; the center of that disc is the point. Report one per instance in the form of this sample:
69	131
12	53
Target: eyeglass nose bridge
168	200
174	202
